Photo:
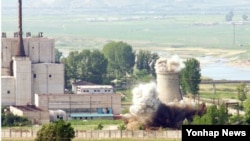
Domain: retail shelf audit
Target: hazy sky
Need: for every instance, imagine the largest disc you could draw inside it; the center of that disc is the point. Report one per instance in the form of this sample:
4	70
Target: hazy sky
101	3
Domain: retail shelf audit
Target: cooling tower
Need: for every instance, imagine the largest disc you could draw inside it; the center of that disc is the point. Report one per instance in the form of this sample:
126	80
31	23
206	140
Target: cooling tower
168	86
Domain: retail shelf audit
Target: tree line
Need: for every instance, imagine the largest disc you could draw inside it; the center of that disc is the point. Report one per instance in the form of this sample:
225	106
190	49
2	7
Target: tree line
118	60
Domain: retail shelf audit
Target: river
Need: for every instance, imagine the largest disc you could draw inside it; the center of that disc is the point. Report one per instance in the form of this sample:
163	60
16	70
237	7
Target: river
219	69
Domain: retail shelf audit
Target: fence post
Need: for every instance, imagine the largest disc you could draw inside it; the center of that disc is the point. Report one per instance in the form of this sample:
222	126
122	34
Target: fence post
21	132
10	131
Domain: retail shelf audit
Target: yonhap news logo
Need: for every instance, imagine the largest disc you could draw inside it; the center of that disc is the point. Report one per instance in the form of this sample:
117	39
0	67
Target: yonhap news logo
215	132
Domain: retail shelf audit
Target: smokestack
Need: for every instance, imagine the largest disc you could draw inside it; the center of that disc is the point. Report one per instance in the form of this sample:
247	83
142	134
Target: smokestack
20	51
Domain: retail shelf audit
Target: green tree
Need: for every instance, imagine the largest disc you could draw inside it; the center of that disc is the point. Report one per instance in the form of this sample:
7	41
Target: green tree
93	66
242	91
13	120
58	55
56	131
145	60
121	58
190	76
247	111
71	64
87	65
213	116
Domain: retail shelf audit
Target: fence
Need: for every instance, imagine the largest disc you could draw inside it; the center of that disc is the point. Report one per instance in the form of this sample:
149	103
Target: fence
100	134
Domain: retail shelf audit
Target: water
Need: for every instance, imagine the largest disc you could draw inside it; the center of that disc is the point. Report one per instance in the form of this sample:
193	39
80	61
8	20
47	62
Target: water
218	69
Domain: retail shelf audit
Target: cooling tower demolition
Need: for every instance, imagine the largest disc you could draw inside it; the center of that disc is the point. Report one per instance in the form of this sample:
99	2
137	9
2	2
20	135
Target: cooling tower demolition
168	86
160	104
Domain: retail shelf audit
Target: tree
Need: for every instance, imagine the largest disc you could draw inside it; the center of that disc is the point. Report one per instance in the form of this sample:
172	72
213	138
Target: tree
190	76
121	58
145	60
72	63
13	120
229	16
242	91
93	66
247	111
56	131
58	55
85	65
245	17
213	116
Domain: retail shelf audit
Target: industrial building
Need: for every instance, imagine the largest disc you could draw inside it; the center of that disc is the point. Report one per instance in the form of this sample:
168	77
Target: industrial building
31	76
32	113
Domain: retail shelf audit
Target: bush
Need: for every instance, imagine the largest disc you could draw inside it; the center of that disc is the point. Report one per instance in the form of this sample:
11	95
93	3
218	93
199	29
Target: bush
122	127
56	131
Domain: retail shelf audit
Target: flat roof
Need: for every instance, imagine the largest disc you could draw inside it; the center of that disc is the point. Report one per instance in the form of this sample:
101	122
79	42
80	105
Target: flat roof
90	115
27	107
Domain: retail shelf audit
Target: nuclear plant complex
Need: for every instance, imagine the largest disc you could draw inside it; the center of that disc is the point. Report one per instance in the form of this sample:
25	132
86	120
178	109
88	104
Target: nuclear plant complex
32	82
33	86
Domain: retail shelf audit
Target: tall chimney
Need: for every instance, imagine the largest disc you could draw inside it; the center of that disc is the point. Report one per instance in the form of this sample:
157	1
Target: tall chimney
20	51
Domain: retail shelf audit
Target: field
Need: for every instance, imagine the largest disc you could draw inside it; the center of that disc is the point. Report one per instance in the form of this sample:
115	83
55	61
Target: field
177	33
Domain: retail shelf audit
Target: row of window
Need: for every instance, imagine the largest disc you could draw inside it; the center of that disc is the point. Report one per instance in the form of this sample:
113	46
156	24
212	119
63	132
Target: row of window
86	91
34	75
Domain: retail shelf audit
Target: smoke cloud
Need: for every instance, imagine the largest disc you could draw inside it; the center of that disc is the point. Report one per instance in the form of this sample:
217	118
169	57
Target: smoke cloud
174	64
145	102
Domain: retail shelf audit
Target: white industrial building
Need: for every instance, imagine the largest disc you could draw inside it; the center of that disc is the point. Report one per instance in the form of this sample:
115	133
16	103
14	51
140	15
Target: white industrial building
29	70
36	72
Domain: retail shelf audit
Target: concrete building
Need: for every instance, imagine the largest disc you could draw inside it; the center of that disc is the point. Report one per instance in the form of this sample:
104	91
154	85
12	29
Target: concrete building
36	72
30	75
34	114
80	103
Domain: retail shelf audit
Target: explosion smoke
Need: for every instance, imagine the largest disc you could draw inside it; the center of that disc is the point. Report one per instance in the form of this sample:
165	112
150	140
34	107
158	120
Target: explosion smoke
155	106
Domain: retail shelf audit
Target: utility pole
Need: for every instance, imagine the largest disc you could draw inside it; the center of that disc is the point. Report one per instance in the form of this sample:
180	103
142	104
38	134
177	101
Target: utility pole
233	33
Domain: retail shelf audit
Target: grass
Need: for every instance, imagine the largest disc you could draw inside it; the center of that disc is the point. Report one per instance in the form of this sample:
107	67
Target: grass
75	33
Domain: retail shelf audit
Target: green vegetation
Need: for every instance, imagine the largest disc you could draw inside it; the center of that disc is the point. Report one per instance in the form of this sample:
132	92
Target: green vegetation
121	58
242	91
145	63
56	131
190	76
8	119
85	65
213	116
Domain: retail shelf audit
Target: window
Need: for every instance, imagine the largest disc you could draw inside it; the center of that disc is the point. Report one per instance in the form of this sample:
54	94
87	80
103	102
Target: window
8	92
34	75
50	76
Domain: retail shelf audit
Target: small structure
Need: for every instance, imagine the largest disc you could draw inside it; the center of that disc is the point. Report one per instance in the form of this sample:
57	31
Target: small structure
33	113
95	89
57	115
83	87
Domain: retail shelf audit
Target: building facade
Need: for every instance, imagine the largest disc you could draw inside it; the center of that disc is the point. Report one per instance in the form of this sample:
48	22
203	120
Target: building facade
36	72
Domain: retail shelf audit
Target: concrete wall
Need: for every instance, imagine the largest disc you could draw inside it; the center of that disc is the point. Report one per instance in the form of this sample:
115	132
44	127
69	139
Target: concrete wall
35	116
168	86
8	92
74	101
173	135
40	50
48	78
22	73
